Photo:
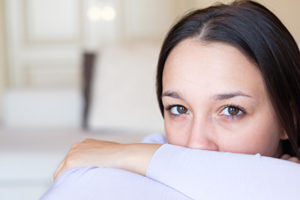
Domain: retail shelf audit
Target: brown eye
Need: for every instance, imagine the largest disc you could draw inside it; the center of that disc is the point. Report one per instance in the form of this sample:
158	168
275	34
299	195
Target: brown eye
181	109
178	110
232	110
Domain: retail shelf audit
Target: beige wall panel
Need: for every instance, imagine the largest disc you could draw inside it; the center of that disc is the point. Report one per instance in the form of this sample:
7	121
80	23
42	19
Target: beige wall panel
50	73
3	53
44	40
52	21
146	19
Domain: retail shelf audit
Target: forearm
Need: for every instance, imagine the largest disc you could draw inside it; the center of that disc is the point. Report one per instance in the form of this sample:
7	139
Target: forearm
130	157
136	157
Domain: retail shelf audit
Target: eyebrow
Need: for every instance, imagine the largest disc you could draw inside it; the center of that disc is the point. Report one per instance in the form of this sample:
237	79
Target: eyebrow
217	97
172	94
230	95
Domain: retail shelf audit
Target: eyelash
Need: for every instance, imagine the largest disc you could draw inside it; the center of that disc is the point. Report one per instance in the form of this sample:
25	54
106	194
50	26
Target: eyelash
240	109
168	109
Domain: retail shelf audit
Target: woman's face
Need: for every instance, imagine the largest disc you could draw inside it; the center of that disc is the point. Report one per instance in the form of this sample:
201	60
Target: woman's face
215	99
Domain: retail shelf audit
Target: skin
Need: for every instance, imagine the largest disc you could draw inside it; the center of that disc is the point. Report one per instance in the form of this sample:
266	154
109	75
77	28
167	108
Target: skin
211	104
91	152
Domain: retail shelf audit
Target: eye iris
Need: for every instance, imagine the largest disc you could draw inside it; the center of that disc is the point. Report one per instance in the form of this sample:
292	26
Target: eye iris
233	110
181	109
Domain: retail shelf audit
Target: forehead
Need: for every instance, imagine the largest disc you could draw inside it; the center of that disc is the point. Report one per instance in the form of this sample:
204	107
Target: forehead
211	67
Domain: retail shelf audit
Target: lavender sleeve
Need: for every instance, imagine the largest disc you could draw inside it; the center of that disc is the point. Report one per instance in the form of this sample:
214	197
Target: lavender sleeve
96	183
213	175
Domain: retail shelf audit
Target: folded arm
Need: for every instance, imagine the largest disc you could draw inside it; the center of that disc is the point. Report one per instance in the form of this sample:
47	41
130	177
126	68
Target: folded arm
94	183
196	173
90	152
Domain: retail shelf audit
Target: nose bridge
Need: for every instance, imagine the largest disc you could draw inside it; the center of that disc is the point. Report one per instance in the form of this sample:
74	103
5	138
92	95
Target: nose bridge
200	136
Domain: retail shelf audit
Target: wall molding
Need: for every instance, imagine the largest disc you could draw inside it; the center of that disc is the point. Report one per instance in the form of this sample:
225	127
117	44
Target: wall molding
27	40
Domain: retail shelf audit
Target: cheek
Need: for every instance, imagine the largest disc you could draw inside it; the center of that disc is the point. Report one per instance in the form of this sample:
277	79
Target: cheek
258	137
175	132
267	138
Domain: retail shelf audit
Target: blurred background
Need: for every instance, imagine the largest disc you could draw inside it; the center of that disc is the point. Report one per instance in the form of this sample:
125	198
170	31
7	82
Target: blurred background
72	69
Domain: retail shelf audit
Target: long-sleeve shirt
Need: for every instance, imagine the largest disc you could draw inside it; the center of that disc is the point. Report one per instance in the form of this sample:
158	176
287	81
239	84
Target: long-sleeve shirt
176	172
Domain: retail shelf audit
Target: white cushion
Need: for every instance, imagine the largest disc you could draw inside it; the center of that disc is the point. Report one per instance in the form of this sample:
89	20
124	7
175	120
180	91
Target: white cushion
124	89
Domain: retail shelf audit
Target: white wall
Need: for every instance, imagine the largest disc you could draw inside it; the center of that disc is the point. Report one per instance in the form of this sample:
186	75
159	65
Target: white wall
142	19
46	38
43	39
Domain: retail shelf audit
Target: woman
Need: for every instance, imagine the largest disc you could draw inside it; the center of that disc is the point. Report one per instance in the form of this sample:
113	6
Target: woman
228	80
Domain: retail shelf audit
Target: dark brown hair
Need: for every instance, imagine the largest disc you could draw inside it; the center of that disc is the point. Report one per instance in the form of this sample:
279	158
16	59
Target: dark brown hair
261	36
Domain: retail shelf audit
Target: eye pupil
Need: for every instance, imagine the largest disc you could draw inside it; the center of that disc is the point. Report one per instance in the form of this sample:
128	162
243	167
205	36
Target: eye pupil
233	110
181	109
